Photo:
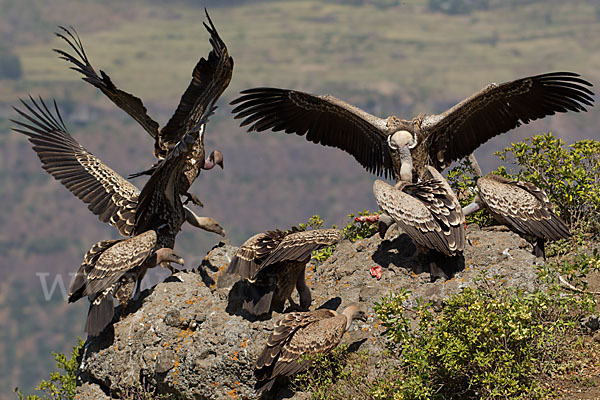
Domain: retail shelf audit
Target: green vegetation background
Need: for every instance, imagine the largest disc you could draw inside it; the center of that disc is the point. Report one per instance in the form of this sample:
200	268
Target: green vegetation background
389	57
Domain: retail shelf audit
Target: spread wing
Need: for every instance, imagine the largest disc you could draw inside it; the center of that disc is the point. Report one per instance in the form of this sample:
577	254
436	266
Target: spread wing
425	212
252	253
325	120
282	354
117	260
498	108
299	246
129	103
209	79
523	206
108	195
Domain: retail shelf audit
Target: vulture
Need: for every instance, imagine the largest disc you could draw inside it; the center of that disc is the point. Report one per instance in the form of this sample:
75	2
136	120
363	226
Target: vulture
437	140
521	206
274	264
111	269
428	211
210	78
297	335
108	195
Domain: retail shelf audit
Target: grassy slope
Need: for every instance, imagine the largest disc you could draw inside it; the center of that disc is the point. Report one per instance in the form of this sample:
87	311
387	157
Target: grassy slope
402	60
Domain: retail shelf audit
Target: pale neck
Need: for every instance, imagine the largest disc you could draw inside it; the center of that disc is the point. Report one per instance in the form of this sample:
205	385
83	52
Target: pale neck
407	164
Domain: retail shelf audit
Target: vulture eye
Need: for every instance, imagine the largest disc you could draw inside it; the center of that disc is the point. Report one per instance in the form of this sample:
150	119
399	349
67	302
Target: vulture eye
391	143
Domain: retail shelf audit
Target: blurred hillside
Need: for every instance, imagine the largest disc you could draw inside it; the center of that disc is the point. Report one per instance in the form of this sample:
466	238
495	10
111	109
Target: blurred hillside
389	57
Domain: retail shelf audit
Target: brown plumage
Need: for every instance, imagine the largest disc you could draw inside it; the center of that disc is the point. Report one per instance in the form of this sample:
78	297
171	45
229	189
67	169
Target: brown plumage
108	195
111	269
274	263
437	139
298	335
210	78
428	212
523	207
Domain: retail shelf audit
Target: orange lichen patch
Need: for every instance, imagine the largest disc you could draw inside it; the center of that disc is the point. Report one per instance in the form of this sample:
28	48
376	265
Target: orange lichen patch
244	344
345	285
475	242
234	356
166	344
233	394
237	383
412	273
215	384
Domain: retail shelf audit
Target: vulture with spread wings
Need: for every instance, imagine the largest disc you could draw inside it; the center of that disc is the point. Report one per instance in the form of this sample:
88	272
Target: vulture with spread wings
438	140
210	78
108	195
274	263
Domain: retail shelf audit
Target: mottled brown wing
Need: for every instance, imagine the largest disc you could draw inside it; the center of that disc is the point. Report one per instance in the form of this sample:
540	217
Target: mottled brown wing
299	246
118	259
522	206
425	212
108	195
210	78
318	337
282	333
130	104
77	285
499	108
251	254
325	120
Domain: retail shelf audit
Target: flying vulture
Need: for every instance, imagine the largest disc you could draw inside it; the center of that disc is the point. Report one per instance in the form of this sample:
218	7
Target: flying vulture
437	140
274	264
210	78
298	335
111	269
522	206
108	195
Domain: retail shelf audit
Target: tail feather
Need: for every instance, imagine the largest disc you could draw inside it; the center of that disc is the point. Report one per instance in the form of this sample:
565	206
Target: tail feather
257	299
101	313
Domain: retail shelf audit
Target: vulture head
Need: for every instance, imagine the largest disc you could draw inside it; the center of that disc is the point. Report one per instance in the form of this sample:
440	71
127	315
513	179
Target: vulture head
401	139
352	312
165	256
215	158
211	225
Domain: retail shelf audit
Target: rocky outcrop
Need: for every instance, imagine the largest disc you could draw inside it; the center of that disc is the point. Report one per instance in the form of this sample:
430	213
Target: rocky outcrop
188	336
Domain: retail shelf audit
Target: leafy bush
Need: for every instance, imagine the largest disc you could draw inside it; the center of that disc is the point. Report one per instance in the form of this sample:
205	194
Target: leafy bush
336	375
60	386
354	231
570	175
486	343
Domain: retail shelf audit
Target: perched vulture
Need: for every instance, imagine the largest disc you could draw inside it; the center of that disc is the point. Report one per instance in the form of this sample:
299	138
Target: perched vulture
522	206
210	78
428	211
110	269
297	335
108	195
274	264
437	140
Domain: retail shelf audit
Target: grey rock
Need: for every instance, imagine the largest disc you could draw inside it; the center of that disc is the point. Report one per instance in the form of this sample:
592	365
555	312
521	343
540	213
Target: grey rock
188	335
590	324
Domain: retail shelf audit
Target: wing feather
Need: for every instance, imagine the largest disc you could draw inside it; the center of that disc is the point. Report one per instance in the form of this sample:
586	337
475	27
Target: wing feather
496	109
324	120
108	195
130	104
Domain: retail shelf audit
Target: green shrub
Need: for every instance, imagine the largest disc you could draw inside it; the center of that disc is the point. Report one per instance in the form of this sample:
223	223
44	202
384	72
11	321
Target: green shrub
354	231
60	386
486	343
570	175
336	375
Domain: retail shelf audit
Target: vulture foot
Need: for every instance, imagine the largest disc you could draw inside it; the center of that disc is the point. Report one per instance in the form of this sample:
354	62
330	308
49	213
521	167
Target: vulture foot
195	200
